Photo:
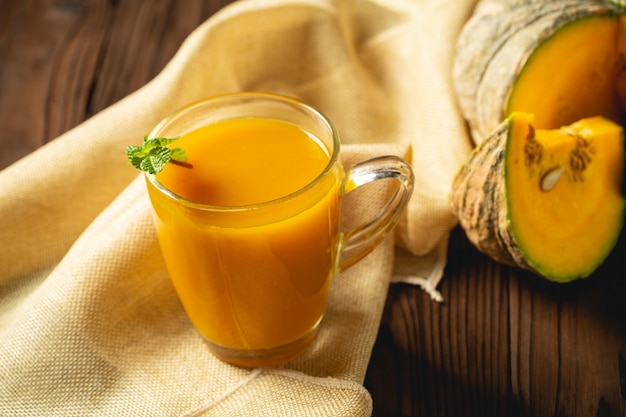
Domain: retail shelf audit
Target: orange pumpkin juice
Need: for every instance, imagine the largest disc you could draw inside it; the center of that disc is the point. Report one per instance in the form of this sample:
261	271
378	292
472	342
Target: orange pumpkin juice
252	276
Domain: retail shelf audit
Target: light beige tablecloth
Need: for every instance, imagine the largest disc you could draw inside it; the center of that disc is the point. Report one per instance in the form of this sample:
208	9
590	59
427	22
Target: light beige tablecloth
89	322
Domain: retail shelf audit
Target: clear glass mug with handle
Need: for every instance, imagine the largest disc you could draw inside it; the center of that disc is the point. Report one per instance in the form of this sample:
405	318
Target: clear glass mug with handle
253	270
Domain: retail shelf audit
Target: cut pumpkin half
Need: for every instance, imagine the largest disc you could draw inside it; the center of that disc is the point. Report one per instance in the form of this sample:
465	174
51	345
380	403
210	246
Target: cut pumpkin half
580	69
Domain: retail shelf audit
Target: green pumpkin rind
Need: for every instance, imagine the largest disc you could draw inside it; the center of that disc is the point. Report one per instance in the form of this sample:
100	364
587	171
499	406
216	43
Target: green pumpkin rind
619	4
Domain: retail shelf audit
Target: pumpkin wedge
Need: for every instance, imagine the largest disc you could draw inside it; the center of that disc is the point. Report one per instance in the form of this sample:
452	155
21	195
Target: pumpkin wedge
546	200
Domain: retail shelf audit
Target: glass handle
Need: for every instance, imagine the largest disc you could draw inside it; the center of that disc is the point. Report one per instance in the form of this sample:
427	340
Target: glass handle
361	240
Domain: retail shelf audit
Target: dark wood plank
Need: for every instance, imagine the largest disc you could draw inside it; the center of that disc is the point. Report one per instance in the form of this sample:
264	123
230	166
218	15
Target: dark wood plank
44	75
449	358
504	343
63	61
141	40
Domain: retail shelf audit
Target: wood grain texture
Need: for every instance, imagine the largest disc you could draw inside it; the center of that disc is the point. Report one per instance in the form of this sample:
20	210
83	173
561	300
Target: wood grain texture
503	343
61	61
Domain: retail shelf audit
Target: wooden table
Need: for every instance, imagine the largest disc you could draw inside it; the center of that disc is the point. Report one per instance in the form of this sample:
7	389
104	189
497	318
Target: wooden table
504	342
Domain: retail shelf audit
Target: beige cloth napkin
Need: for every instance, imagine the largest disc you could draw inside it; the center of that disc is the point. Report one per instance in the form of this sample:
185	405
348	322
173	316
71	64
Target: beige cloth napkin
89	322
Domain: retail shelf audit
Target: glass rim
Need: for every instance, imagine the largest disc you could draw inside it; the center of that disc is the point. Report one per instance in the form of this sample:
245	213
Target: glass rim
250	96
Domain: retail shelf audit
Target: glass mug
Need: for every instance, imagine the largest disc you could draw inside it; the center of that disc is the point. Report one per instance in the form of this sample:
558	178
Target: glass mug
253	276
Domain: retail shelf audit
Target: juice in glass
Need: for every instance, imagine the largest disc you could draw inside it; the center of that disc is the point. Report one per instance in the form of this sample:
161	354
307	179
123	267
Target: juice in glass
249	229
256	281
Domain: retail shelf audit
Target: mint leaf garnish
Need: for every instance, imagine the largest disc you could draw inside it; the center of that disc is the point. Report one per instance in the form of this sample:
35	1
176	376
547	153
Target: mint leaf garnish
178	155
154	154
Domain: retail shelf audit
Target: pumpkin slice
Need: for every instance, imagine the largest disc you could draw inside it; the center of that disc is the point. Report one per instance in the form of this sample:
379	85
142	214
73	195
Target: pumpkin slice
561	61
579	69
549	201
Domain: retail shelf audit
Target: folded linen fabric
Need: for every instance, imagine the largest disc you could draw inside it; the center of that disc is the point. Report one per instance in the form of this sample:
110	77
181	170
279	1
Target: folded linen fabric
89	322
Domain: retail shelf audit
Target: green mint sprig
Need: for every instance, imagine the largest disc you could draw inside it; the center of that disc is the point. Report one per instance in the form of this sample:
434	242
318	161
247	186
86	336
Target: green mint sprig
154	154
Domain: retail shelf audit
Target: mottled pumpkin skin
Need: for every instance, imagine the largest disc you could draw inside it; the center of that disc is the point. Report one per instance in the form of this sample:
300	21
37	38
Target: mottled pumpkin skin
496	44
479	200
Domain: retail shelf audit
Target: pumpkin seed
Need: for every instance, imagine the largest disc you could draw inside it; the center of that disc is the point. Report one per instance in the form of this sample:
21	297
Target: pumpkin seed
550	178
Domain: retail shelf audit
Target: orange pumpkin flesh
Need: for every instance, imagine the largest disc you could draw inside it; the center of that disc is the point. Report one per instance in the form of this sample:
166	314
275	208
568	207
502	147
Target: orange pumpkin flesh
565	206
574	74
